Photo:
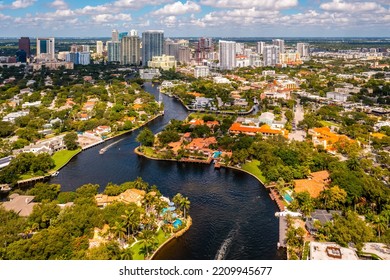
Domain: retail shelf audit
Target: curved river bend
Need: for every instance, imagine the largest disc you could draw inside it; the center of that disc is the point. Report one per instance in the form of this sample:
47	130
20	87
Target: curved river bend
232	213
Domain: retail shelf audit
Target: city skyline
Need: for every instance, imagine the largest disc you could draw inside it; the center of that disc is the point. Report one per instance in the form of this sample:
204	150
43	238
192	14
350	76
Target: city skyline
225	18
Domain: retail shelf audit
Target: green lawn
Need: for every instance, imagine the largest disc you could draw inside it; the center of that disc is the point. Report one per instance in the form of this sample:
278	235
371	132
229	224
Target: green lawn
148	151
62	157
328	123
161	238
252	167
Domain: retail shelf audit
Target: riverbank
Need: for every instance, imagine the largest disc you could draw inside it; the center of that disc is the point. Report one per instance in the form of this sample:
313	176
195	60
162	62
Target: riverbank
174	236
210	111
60	165
138	152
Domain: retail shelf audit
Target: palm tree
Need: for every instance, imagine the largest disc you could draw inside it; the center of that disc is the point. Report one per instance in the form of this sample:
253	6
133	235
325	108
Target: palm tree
141	184
148	240
177	198
131	219
185	203
119	229
126	254
380	224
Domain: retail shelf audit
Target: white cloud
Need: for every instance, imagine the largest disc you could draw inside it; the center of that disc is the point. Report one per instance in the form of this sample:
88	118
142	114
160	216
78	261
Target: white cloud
108	18
247	4
170	21
342	6
178	8
59	4
20	4
4	17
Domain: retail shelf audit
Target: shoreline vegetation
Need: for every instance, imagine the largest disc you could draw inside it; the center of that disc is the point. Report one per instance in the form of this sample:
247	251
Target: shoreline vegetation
247	168
131	221
62	159
174	236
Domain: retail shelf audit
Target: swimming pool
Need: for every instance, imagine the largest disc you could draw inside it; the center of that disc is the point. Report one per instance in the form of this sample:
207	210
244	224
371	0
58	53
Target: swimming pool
287	197
177	223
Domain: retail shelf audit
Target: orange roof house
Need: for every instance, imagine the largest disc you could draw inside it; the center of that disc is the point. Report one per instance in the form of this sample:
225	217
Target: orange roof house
88	106
196	122
201	145
314	185
323	136
265	130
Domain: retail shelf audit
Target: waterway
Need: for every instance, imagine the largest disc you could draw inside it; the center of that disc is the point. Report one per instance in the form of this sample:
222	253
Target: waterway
232	213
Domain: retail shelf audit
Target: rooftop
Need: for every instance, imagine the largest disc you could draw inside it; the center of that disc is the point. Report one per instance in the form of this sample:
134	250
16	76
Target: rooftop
330	251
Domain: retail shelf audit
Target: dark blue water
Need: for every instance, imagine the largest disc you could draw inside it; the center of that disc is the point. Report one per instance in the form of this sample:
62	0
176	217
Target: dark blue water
233	216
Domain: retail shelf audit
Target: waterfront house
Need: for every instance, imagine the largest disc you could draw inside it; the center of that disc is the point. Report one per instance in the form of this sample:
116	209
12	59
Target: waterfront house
201	145
314	184
102	129
21	204
129	196
49	146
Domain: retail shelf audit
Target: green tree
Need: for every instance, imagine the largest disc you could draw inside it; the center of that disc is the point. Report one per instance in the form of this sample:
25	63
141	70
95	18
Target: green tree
148	241
146	137
45	191
70	140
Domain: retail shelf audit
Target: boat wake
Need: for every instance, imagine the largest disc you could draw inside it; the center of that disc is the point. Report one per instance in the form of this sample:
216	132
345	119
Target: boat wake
224	249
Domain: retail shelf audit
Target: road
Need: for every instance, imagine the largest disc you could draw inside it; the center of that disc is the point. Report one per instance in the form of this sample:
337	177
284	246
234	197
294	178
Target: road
298	134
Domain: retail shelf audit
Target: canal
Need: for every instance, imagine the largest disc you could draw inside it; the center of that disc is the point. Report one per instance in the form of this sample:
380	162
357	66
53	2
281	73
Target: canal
233	215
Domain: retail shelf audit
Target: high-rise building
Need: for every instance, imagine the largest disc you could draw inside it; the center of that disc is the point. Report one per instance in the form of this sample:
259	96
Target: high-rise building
21	56
130	50
203	49
227	55
83	58
271	55
184	54
240	47
24	44
303	49
114	35
79	48
113	51
152	45
46	48
280	44
260	47
99	47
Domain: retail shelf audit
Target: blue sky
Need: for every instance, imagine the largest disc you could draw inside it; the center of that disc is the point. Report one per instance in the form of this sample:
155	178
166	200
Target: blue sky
229	18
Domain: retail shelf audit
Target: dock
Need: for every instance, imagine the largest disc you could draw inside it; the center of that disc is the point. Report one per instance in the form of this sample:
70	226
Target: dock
279	201
282	232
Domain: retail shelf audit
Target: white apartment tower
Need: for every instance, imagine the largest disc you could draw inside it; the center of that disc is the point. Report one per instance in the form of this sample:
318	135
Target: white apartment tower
227	55
113	51
260	47
99	47
115	35
271	55
303	49
130	50
280	44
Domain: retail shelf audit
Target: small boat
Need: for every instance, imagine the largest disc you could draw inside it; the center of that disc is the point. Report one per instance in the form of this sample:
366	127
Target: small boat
55	174
102	151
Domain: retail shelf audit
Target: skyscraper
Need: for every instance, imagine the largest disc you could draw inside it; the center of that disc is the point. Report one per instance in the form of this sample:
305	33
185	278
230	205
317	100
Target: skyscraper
24	44
130	50
114	35
99	47
227	55
280	44
46	48
303	49
152	45
113	51
203	49
122	34
271	55
260	47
